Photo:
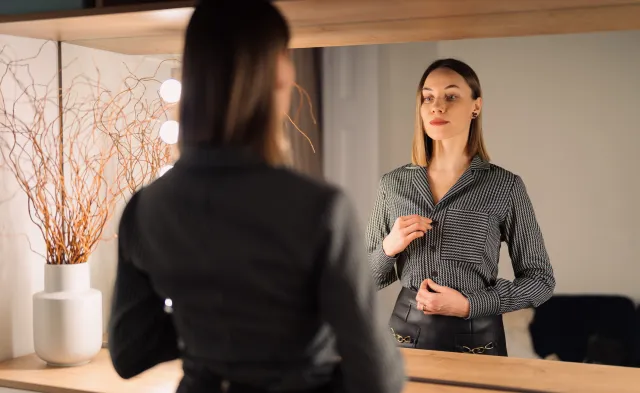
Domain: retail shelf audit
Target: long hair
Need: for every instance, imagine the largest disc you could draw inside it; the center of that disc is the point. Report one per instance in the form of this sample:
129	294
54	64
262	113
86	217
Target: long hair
229	75
422	147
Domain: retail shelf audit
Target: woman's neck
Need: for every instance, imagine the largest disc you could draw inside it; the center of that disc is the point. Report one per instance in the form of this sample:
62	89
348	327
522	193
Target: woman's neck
449	156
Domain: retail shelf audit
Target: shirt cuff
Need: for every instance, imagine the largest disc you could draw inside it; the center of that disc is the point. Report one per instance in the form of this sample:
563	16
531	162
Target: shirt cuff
382	264
483	303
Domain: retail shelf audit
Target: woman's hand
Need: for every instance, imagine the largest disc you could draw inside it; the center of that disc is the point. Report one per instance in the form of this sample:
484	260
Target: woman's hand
405	230
444	301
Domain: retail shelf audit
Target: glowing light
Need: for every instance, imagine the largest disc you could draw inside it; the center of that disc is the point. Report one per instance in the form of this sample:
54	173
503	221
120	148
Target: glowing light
170	90
169	131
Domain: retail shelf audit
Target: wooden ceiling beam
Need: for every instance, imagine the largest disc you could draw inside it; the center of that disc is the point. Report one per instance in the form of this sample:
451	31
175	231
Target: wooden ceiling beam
156	29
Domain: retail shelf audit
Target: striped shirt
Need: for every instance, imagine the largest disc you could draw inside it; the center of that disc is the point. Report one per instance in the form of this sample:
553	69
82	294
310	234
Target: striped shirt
486	206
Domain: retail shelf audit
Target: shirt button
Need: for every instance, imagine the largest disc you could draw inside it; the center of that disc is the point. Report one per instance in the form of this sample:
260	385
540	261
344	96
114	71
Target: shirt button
432	247
434	274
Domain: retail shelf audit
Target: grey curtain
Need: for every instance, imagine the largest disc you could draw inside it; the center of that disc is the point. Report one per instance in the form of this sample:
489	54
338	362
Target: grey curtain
307	62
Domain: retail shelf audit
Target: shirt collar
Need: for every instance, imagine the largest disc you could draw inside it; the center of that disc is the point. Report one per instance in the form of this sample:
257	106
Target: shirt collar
198	156
477	163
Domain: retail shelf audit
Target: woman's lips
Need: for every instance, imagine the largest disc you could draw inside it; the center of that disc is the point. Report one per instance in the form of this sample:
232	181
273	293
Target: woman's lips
438	122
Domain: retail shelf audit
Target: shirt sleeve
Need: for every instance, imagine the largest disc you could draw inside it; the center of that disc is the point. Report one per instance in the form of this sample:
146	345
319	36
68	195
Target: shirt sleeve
534	281
141	333
379	226
371	362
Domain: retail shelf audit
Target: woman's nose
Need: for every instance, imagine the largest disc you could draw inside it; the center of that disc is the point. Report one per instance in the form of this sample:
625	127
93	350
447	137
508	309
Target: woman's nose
438	106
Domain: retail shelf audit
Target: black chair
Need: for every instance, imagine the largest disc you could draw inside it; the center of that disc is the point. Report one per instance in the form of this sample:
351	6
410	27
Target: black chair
587	328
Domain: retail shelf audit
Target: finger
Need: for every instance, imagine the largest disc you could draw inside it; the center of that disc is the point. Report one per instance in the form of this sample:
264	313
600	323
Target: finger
423	285
413	236
416	226
432	306
409	220
424	297
409	217
436	287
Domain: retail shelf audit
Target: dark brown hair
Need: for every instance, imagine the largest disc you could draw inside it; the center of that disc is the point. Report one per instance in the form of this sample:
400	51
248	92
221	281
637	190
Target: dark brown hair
229	76
422	148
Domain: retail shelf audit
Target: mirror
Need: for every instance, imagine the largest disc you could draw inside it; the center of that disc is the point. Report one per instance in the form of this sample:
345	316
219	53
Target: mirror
560	112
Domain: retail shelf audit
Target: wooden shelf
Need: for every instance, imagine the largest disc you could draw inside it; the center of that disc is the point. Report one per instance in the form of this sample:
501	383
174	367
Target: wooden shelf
159	28
431	372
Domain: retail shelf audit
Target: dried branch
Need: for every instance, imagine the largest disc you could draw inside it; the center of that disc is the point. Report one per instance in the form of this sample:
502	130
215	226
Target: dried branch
70	193
131	118
302	94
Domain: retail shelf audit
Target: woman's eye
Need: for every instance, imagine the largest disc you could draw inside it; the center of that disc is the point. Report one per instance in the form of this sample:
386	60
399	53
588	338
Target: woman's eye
427	99
451	98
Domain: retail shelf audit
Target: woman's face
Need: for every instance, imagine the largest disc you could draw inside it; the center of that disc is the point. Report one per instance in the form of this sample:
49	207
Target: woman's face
447	105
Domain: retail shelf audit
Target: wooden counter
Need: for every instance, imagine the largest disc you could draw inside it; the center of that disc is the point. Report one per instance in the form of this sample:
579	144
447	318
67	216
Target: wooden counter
522	374
431	371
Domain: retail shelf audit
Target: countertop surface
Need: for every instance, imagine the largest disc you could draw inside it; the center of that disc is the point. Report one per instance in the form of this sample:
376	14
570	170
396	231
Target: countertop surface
429	371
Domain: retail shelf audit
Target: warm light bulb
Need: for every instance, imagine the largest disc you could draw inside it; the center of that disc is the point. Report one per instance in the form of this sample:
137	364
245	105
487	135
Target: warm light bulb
165	169
168	306
170	90
169	132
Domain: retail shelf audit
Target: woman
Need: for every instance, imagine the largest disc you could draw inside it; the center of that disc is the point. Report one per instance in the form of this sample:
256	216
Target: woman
440	221
250	274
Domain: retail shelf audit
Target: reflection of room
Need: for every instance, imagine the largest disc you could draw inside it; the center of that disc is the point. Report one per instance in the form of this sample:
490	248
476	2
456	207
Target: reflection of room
558	110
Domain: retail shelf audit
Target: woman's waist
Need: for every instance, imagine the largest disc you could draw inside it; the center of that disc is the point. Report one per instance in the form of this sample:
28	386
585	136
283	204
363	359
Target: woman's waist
470	279
406	309
292	376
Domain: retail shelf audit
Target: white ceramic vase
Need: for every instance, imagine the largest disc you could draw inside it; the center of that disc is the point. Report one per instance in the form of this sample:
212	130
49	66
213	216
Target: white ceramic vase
67	316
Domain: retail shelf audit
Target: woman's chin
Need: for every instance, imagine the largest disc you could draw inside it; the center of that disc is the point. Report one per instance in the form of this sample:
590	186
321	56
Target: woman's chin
439	135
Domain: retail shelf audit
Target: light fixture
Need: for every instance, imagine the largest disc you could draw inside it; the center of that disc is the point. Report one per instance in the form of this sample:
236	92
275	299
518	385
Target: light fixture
170	90
169	131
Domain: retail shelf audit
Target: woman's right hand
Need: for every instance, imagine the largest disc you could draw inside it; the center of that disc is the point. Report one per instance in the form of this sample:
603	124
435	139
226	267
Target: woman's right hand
405	230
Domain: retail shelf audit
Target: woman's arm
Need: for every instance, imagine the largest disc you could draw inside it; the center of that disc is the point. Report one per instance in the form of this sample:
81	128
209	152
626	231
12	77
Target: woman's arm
141	334
534	281
371	362
379	226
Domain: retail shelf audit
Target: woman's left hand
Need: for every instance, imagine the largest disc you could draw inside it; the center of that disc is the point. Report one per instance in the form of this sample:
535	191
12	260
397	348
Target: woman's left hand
444	301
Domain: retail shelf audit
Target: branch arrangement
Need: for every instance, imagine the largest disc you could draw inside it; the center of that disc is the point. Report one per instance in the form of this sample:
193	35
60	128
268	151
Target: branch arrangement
76	151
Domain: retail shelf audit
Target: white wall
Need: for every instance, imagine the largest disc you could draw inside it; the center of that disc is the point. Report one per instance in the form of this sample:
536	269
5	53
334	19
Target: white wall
561	111
21	272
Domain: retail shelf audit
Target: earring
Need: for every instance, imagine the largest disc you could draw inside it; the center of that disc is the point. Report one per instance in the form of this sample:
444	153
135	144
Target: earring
474	115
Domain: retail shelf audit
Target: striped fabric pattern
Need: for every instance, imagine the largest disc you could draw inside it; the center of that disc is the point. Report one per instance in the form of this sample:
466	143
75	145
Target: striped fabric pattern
486	206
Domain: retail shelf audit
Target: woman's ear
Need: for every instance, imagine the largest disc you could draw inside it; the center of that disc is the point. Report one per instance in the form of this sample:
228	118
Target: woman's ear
477	106
285	71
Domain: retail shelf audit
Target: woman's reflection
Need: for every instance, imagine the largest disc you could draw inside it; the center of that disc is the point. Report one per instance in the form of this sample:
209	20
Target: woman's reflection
441	219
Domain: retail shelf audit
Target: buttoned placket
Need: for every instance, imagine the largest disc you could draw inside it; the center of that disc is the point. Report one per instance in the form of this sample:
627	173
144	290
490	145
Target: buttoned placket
436	212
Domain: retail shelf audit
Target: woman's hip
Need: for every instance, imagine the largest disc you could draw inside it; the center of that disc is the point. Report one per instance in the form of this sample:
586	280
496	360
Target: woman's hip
411	328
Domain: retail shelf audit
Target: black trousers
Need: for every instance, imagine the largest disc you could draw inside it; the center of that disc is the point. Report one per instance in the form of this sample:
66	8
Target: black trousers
413	329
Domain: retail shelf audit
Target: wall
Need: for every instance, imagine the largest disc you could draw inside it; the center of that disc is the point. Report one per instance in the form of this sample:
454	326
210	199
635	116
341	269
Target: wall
561	111
21	273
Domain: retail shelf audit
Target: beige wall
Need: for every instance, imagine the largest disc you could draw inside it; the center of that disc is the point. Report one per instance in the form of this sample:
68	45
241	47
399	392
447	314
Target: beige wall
562	112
